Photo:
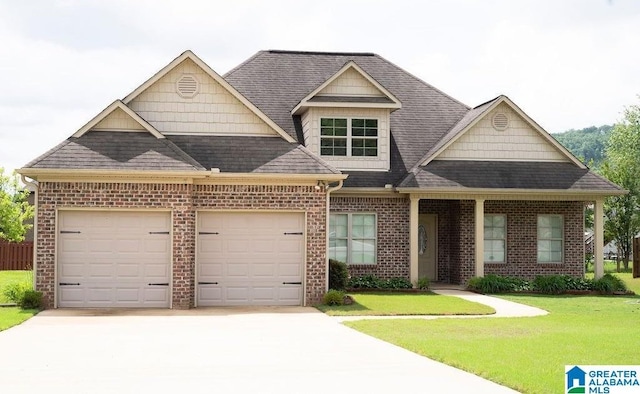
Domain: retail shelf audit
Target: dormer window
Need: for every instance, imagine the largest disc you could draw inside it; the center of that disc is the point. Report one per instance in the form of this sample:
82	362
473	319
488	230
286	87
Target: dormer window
348	137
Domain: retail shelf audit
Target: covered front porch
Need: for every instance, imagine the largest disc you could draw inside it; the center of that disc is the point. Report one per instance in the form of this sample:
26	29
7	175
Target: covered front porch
457	236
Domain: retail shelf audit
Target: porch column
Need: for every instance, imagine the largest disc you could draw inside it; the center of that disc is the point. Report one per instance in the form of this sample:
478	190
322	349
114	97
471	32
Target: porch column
598	239
413	239
479	241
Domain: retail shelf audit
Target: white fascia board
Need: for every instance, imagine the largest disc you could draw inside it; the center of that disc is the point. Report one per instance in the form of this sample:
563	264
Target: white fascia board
107	111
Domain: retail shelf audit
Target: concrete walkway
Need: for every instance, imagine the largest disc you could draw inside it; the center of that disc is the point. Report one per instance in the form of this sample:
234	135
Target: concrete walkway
503	308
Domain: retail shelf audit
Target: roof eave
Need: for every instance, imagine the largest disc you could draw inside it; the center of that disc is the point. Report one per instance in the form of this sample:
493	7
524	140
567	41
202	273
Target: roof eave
533	193
299	109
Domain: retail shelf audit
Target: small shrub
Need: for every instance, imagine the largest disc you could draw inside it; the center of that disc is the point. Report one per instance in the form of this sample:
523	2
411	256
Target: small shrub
396	283
31	299
364	282
609	284
550	284
572	283
492	284
338	275
14	292
423	283
333	297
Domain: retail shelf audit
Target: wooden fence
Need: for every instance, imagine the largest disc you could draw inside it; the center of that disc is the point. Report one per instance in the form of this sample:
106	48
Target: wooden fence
16	256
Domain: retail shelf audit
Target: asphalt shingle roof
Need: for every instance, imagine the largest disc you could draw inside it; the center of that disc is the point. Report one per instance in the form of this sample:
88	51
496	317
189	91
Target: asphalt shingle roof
506	175
251	154
276	81
116	150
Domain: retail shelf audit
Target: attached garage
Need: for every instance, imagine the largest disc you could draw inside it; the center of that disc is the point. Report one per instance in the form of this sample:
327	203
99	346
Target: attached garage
114	259
250	258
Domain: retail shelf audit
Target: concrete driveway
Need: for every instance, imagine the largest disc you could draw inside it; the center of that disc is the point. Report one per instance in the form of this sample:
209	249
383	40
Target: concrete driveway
265	350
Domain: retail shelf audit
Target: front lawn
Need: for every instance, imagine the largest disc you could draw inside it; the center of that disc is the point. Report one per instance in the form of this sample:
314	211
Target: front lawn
389	304
526	354
12	316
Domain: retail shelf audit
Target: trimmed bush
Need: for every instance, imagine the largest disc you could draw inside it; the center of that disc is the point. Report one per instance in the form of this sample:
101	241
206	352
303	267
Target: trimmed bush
333	297
550	284
396	283
338	275
609	284
31	299
373	282
493	284
364	282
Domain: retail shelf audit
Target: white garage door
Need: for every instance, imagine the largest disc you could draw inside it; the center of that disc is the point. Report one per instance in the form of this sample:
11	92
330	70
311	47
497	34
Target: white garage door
250	258
114	259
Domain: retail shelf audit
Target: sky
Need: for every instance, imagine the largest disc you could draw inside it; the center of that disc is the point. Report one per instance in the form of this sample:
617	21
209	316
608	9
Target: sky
568	64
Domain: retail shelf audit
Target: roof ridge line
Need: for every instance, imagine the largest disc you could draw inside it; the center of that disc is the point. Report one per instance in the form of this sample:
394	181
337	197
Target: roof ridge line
328	53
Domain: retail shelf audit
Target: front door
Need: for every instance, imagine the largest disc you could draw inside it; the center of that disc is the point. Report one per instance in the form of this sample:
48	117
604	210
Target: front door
427	246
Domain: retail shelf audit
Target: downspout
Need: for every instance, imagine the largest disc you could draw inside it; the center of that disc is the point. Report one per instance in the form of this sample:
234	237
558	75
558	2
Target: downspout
34	185
326	232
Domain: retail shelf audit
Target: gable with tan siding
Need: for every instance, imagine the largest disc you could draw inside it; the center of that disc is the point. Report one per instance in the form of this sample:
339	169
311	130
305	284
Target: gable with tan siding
118	120
351	83
213	110
519	141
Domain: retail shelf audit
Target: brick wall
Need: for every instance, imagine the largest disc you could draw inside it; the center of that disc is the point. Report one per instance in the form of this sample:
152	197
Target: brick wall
522	222
393	233
183	200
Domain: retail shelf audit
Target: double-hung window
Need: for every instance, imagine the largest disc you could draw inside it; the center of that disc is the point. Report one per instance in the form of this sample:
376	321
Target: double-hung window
550	238
352	237
495	232
355	137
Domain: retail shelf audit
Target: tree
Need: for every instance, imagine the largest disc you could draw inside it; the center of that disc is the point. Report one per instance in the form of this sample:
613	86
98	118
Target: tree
14	208
622	166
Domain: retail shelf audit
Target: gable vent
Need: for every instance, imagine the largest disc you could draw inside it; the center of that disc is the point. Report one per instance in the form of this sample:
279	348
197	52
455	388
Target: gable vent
500	121
187	86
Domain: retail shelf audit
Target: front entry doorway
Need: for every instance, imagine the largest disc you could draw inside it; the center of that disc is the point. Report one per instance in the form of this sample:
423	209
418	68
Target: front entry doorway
427	246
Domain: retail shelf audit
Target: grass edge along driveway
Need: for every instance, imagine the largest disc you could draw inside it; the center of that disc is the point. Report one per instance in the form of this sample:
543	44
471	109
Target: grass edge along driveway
527	354
12	316
398	304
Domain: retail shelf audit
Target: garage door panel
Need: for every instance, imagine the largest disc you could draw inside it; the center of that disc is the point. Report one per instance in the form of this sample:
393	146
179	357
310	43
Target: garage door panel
250	257
114	258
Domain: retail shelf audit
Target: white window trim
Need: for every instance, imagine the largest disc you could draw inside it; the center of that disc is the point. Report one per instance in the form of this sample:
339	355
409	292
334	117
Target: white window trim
349	136
561	239
350	238
498	239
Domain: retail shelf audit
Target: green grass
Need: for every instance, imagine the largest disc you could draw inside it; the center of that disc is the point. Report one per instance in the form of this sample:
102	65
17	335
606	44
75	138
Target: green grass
610	268
526	354
388	304
7	277
12	316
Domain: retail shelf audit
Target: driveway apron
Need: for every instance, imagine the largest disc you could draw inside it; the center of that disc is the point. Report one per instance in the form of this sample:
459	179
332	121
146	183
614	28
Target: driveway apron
270	350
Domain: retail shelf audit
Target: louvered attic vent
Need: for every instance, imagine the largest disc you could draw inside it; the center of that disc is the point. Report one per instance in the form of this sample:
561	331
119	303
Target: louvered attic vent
500	121
187	86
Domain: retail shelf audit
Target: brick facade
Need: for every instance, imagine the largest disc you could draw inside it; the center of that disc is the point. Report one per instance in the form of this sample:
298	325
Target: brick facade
456	251
392	230
183	200
522	222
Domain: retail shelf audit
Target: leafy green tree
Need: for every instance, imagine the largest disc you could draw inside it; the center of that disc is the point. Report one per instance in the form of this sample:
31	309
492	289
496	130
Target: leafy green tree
622	166
14	208
587	144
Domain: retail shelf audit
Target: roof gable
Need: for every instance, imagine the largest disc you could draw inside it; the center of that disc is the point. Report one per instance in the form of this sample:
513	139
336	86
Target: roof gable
216	107
118	117
350	86
476	137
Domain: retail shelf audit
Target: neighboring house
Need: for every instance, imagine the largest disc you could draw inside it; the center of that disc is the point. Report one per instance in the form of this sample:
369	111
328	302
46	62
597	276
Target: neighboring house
201	190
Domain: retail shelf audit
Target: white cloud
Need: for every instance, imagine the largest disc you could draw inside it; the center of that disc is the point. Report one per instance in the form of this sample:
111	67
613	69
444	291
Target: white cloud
568	64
